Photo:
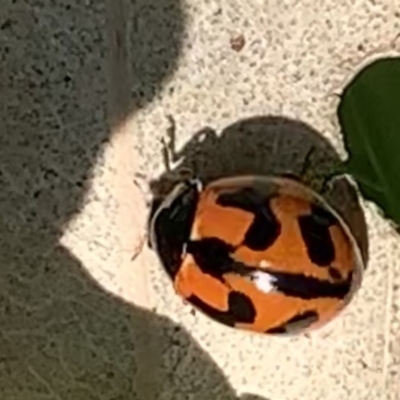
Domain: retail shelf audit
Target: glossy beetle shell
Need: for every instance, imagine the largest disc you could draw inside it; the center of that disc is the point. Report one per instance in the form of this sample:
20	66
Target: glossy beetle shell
265	254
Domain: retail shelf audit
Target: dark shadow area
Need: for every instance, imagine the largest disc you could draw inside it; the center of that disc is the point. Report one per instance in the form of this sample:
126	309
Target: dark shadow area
267	145
62	336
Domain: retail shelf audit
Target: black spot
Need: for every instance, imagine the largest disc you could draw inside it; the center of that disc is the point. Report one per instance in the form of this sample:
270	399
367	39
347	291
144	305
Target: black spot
221	316
295	324
265	228
307	287
172	225
324	216
247	199
263	231
241	309
212	255
317	238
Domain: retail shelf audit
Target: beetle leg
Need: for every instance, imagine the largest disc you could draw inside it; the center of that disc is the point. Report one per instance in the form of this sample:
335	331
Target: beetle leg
168	144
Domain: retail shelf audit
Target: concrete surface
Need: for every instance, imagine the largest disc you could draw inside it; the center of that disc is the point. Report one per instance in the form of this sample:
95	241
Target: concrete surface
85	88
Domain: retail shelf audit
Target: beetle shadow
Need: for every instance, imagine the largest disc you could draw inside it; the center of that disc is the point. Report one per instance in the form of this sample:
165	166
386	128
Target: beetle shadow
62	335
267	145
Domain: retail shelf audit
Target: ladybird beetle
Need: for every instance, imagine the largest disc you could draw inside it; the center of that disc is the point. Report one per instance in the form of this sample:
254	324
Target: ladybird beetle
258	253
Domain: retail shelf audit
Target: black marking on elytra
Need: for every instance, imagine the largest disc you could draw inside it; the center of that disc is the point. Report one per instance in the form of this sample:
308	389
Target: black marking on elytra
222	316
172	225
265	228
215	257
247	199
295	324
317	238
240	309
294	285
212	255
263	231
307	287
298	285
324	216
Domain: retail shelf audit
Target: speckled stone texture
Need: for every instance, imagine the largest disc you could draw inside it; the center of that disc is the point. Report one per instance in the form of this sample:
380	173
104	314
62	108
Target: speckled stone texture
85	90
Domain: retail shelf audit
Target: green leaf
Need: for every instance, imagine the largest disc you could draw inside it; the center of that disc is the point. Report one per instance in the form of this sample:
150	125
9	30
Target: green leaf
369	115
